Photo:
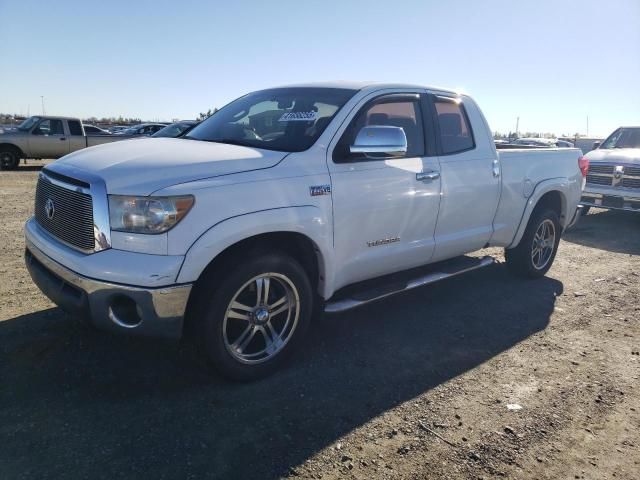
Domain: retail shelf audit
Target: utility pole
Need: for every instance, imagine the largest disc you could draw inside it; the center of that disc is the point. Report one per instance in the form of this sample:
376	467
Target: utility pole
587	126
42	100
517	125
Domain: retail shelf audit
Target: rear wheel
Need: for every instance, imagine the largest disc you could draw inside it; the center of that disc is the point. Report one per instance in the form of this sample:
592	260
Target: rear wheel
535	253
256	315
9	159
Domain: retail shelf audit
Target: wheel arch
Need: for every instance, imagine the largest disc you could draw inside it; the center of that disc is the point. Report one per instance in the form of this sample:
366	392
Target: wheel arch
299	246
549	194
14	147
301	232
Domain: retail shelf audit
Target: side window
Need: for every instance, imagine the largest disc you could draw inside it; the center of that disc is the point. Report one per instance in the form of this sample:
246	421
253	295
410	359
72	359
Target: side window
403	113
453	125
49	127
74	127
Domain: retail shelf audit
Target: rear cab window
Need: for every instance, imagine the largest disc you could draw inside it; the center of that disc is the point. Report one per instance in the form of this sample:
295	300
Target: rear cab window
74	127
453	128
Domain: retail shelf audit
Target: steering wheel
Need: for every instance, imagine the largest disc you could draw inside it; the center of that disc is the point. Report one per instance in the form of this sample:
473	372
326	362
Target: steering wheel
251	133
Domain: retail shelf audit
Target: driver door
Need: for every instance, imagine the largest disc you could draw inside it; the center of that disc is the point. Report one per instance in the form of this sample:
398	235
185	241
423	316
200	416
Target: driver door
48	139
384	209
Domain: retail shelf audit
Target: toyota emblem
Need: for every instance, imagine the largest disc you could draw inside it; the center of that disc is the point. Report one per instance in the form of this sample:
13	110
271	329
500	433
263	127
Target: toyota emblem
50	209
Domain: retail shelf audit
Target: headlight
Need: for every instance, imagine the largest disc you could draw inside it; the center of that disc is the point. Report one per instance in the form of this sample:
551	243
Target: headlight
147	214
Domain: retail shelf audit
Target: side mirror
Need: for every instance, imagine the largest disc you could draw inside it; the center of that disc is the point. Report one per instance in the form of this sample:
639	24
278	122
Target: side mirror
380	139
596	145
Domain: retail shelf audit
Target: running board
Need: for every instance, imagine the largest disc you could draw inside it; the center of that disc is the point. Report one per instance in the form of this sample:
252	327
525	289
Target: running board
372	290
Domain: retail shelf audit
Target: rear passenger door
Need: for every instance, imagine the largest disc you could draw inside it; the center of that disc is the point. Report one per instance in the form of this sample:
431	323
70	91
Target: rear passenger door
76	137
470	177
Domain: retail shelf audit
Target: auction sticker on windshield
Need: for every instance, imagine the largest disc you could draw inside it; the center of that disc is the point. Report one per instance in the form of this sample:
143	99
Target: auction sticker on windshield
298	117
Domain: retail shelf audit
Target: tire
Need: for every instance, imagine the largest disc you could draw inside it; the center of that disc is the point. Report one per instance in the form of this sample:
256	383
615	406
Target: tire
522	260
232	338
9	159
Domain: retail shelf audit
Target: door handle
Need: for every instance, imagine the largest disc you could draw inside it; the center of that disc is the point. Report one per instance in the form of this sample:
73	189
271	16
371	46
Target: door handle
426	176
496	168
62	138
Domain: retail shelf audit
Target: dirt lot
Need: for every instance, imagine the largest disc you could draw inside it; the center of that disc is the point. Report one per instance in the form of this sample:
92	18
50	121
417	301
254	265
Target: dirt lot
422	385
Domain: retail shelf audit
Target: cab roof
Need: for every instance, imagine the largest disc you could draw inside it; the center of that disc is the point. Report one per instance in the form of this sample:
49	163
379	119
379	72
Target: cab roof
353	85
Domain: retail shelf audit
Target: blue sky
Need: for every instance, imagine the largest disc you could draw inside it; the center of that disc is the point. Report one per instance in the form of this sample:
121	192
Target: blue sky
552	63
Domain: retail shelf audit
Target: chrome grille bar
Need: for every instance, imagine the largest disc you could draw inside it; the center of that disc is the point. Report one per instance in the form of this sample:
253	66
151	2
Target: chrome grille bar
66	212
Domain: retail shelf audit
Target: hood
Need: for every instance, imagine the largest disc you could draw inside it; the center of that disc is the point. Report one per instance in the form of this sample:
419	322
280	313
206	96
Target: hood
142	166
620	156
13	131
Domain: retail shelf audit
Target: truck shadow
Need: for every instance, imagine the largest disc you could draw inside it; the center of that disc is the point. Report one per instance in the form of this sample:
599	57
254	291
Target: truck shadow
30	167
77	400
611	230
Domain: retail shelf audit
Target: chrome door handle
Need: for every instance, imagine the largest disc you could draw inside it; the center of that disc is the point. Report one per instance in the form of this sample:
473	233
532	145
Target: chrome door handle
496	168
424	176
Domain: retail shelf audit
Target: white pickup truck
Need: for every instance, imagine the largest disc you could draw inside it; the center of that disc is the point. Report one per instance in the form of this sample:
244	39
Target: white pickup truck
287	202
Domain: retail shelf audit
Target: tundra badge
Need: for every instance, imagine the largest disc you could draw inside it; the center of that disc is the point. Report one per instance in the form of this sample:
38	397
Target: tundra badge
317	190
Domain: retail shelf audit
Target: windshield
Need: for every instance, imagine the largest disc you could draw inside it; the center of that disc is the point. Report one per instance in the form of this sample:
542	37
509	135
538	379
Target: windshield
28	123
283	119
173	130
623	138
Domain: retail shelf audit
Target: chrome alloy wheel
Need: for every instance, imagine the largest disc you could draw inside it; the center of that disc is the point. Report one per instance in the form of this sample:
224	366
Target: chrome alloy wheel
261	318
543	244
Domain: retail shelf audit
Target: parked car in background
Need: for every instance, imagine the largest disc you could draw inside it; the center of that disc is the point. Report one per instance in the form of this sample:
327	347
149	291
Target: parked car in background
46	137
261	219
175	129
564	144
93	130
543	142
144	129
613	180
117	128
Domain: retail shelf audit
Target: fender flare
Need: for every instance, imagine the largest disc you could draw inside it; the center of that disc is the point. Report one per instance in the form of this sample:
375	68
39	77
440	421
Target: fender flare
307	220
562	185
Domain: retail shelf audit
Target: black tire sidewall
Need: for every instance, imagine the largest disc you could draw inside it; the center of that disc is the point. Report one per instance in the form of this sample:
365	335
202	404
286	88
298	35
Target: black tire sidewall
519	259
14	163
211	308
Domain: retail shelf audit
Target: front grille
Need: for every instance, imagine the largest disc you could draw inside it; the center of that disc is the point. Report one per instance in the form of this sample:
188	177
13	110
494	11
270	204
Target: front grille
632	171
72	221
598	180
608	169
631	182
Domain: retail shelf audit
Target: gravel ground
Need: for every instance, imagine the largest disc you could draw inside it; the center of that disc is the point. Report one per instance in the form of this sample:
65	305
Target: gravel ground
480	376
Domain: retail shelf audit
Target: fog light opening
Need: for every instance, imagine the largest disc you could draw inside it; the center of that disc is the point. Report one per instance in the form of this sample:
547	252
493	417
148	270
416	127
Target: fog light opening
124	311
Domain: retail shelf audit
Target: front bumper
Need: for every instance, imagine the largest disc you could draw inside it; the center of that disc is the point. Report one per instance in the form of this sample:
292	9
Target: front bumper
141	310
616	201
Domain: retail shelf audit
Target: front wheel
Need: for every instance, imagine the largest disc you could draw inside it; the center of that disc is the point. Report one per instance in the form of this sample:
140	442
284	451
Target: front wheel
8	160
255	316
535	253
